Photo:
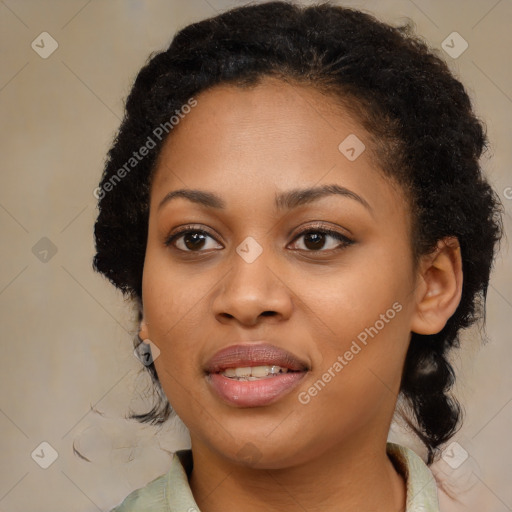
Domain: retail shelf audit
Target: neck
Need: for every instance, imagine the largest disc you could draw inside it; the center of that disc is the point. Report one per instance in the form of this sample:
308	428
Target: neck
348	478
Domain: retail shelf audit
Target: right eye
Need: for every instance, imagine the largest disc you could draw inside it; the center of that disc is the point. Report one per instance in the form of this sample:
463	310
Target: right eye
192	240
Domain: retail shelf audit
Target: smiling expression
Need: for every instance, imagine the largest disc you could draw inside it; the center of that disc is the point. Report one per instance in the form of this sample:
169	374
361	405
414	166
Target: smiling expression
265	240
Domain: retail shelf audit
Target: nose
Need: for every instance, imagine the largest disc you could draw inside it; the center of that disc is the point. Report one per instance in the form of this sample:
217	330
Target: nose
252	292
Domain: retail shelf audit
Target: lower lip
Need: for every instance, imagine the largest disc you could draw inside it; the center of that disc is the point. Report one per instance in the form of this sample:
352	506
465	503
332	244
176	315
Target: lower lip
254	393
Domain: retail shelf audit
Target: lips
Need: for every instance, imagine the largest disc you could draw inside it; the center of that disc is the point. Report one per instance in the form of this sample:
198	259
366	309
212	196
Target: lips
260	354
253	392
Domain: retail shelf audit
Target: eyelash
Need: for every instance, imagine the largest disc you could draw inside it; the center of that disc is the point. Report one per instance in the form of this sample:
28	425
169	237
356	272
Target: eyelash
319	228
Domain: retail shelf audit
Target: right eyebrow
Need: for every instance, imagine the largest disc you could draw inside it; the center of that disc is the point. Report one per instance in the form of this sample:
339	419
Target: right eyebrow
196	196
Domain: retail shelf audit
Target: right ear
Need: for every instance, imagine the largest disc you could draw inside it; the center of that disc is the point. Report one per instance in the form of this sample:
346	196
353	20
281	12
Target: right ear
143	330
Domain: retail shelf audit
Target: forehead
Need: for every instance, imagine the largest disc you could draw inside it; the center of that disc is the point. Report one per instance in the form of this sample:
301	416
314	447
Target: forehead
248	142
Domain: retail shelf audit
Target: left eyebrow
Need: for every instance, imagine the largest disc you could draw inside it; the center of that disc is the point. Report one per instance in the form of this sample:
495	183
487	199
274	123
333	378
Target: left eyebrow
284	200
298	197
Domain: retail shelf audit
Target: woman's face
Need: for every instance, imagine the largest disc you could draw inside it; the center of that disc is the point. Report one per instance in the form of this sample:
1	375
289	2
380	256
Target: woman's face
296	261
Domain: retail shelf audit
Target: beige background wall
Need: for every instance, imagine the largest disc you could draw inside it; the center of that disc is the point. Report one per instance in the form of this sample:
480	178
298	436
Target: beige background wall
67	373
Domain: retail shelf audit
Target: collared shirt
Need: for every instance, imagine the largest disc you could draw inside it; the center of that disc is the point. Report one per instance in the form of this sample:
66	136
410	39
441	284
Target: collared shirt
171	492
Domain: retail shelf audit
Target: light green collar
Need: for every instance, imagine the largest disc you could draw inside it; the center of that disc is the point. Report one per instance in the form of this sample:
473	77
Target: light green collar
171	492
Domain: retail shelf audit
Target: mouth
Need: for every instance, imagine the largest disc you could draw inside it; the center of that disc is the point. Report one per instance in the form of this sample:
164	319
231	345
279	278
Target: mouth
253	375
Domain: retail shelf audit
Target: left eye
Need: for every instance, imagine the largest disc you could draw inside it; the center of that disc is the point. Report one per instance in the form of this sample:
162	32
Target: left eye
321	240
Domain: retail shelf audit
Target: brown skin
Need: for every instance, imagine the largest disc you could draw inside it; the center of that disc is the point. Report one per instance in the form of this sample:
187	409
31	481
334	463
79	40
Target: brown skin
246	145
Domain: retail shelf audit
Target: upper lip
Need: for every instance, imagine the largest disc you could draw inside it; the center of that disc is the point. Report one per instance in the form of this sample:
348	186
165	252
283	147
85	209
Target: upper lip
254	354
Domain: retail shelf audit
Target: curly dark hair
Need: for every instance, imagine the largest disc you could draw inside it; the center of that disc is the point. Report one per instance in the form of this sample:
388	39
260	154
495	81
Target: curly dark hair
423	131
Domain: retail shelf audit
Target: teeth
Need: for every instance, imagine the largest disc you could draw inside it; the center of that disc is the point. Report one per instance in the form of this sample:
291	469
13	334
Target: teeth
259	371
253	372
243	372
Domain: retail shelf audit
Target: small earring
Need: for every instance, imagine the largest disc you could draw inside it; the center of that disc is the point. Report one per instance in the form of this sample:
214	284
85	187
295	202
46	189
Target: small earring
143	351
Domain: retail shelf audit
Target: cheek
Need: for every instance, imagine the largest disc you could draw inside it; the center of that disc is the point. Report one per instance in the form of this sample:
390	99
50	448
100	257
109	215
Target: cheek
354	297
170	296
178	313
359	365
369	339
363	314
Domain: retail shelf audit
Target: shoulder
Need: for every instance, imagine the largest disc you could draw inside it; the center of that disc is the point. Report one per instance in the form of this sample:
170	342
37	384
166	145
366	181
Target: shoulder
151	498
167	493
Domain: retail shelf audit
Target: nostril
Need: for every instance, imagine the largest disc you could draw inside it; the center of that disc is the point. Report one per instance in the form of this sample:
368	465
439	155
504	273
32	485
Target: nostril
268	313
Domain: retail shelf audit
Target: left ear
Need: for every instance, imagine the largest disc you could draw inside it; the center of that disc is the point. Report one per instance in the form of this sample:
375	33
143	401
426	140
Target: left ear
439	287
